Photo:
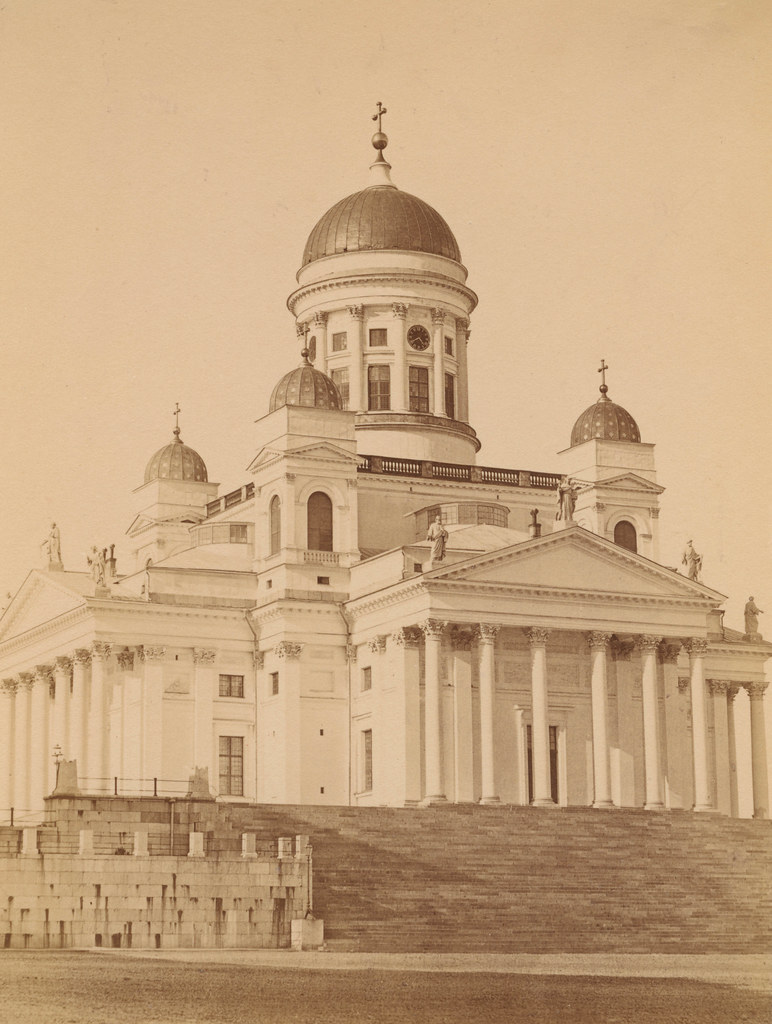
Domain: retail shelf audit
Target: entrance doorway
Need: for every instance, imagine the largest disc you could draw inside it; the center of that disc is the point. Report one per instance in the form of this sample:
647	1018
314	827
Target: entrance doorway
553	762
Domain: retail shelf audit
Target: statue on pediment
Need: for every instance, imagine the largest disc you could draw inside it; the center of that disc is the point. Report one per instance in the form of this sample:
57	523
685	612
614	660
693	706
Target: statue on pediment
566	499
438	535
692	561
97	565
52	547
752	619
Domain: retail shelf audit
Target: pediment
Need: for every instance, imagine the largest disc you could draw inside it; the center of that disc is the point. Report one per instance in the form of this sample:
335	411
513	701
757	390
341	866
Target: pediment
42	597
575	560
629	482
323	450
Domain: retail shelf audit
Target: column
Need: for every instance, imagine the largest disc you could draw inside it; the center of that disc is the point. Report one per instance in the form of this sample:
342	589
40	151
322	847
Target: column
734	795
486	638
97	780
677	768
758	750
719	688
438	319
540	732
319	327
357	395
461	644
652	764
435	793
7	730
405	663
78	737
152	715
462	342
697	649
598	643
41	763
21	796
288	654
205	686
62	675
399	386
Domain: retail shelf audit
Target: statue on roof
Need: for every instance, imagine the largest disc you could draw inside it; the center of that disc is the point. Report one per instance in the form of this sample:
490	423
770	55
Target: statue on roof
692	561
566	499
752	620
52	546
97	564
438	535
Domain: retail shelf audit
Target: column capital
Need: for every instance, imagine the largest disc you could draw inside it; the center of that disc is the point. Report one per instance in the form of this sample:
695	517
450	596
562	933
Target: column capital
432	628
356	312
150	653
647	644
438	316
351	652
486	632
287	649
82	656
258	660
26	680
462	324
320	319
44	673
718	686
377	644
62	663
537	637
399	310
683	684
734	689
756	690
408	637
9	686
204	655
125	660
100	651
668	652
461	639
598	641
696	646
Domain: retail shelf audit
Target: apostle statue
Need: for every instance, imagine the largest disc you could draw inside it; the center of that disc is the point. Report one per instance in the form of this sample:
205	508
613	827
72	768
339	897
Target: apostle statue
752	619
566	499
97	564
52	546
438	535
692	561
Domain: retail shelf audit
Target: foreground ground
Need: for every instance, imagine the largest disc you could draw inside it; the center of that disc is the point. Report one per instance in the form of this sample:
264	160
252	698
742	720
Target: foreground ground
199	987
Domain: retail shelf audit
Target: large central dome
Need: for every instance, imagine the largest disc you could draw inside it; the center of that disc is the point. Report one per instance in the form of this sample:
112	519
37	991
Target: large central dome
381	217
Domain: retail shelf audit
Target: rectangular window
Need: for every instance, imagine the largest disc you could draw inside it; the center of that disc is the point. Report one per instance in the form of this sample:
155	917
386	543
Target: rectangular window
339	341
231	766
378	337
450	395
419	388
238	533
367	760
448	345
231	686
340	380
378	388
274	683
367	678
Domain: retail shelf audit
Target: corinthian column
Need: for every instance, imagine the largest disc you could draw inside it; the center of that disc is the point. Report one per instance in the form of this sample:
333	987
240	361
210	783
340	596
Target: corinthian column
356	402
204	690
719	688
598	643
62	673
697	649
734	795
758	750
652	764
8	690
462	341
41	763
438	320
486	637
78	738
320	331
399	387
97	719
22	753
435	790
540	730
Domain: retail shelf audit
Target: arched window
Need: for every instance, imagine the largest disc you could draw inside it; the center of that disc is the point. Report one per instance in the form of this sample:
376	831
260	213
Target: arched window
625	535
319	522
274	513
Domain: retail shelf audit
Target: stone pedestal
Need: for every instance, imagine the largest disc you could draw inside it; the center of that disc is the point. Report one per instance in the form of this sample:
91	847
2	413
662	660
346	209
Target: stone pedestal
307	933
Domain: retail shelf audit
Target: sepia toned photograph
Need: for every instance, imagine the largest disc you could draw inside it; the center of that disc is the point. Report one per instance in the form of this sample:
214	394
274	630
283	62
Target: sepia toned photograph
385	569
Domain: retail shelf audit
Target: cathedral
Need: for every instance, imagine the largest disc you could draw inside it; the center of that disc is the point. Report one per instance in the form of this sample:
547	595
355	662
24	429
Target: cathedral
376	617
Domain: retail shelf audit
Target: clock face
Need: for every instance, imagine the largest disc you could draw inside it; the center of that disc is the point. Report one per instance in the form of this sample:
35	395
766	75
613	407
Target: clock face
418	337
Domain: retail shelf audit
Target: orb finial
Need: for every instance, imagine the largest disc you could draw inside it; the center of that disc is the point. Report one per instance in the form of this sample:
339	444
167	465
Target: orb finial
602	369
177	412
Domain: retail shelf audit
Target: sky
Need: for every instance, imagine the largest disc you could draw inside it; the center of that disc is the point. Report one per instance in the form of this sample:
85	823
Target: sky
604	165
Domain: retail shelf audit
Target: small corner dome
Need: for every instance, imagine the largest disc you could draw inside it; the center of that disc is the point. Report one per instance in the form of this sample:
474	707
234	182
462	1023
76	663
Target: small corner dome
176	461
605	420
306	386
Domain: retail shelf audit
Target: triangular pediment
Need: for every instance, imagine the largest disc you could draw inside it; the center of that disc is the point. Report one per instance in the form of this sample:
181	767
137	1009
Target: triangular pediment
323	450
575	560
629	482
42	597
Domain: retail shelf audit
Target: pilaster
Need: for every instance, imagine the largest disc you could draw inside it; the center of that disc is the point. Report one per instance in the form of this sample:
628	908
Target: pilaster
205	687
438	348
399	387
357	392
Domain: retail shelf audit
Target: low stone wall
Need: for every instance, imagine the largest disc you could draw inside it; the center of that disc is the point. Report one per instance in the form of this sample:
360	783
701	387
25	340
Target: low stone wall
64	885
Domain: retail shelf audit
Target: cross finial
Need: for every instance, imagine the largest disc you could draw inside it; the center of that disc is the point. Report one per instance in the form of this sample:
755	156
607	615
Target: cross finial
177	412
602	369
381	111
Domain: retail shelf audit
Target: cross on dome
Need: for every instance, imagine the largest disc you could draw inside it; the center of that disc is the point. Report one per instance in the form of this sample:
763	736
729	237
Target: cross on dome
602	369
177	412
381	111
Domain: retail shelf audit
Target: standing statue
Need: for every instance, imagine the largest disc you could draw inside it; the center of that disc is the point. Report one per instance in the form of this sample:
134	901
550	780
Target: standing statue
438	535
53	546
693	562
752	619
97	564
566	499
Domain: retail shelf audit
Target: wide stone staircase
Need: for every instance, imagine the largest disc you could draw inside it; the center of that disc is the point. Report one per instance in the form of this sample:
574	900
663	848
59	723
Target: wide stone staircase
515	879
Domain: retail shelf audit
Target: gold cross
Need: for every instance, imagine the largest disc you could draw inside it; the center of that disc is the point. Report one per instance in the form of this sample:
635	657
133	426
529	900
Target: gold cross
381	111
177	412
602	369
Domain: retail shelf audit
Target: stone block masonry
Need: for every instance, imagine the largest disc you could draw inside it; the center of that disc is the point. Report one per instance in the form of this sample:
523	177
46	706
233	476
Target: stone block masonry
99	874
